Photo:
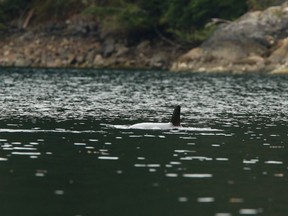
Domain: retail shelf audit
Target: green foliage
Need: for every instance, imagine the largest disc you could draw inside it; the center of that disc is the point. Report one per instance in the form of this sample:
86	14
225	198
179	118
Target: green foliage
56	9
194	36
183	14
13	8
187	18
181	19
125	17
2	27
45	9
101	12
262	4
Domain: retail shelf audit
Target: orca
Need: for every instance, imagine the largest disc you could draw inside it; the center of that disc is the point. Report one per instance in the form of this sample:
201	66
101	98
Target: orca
173	124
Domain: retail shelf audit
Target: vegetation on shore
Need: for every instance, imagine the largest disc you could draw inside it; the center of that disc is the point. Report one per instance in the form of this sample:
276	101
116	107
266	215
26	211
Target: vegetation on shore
178	20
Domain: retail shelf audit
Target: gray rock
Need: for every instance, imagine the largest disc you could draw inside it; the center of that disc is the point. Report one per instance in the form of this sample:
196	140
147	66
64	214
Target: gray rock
98	61
90	56
144	45
121	50
158	60
108	46
238	39
248	40
80	59
22	62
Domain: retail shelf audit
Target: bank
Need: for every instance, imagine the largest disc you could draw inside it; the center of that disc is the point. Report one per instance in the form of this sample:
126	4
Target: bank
255	42
82	45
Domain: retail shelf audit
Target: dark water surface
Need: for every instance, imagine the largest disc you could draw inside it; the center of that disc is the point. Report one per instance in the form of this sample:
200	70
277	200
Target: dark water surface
59	156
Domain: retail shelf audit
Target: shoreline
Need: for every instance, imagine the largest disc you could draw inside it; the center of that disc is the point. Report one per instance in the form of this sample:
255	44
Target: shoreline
30	49
253	43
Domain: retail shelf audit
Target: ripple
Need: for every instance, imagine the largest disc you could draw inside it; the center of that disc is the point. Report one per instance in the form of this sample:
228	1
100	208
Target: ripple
27	153
24	148
223	214
222	159
55	95
234	128
41	173
200	158
194	175
2	130
59	192
147	165
250	161
236	200
205	199
249	211
273	162
80	144
183	199
108	158
171	175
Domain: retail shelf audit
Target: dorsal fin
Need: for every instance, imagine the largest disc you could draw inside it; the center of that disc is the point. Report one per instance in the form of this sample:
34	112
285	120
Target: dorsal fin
175	120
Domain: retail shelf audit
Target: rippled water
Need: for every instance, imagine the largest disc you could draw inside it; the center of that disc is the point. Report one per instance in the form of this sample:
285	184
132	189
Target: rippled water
59	154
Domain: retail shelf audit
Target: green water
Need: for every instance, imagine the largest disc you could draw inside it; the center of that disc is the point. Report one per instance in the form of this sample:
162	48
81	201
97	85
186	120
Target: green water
60	153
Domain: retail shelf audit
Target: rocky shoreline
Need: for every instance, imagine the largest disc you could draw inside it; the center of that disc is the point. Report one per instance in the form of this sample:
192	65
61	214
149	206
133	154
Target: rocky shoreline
256	42
38	49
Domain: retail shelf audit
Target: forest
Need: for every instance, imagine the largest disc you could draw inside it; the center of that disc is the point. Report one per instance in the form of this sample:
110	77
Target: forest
184	20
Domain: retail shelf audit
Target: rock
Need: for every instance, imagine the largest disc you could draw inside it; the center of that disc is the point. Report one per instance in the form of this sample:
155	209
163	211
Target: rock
65	42
233	50
90	57
194	54
98	61
80	58
71	59
121	50
6	53
281	70
63	53
144	45
54	63
56	47
22	62
280	52
108	46
158	60
238	39
248	41
251	60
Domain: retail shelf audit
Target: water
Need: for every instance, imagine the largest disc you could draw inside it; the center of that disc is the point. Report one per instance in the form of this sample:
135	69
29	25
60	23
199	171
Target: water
59	154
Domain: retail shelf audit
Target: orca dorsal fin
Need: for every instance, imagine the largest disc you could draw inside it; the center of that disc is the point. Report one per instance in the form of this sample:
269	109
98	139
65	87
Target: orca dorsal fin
175	120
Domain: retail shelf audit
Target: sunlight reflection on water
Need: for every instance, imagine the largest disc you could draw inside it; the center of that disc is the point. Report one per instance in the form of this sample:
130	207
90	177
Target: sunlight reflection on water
66	134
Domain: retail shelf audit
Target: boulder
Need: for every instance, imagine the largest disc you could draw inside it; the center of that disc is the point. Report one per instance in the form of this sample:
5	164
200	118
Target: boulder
158	60
98	61
280	52
253	39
